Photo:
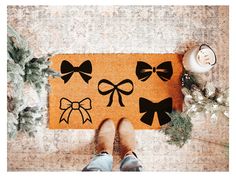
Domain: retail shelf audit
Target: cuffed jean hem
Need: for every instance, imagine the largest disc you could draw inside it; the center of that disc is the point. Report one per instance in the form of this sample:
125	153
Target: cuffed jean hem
101	162
131	163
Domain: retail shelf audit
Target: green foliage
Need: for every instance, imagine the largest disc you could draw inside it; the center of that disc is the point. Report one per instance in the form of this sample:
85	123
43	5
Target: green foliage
12	124
23	68
198	97
37	72
17	48
179	129
28	118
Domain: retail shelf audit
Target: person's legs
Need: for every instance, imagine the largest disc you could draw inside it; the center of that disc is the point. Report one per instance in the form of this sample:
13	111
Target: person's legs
103	160
130	161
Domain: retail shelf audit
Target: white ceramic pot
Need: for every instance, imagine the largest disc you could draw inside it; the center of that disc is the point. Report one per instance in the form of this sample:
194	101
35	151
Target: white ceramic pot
199	59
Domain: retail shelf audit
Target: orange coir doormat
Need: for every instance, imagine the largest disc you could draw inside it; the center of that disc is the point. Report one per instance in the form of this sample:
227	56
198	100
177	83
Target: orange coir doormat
93	87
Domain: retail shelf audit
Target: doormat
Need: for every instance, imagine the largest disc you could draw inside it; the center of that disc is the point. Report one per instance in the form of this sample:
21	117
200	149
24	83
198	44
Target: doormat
141	87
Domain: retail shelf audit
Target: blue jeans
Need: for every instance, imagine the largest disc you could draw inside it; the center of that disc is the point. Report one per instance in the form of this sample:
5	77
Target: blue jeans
103	162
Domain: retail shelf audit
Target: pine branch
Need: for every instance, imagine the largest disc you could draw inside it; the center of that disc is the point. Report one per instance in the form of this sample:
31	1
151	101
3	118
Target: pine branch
29	119
23	68
179	129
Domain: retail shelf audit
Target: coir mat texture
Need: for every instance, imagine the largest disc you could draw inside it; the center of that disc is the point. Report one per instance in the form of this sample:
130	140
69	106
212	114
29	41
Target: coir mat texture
93	87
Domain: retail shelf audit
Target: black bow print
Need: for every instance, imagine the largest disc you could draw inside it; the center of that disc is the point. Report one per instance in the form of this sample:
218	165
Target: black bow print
150	108
115	88
85	69
82	106
144	70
